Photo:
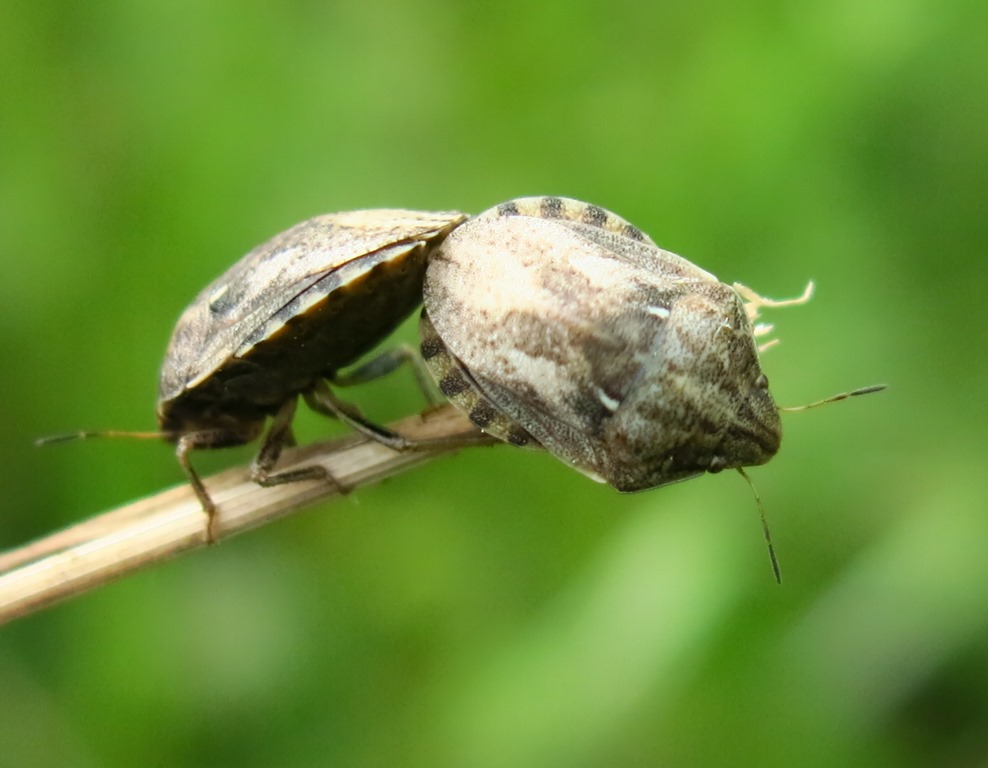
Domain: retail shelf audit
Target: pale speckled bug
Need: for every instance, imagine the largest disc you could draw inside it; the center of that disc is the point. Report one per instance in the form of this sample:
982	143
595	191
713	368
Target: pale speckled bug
557	324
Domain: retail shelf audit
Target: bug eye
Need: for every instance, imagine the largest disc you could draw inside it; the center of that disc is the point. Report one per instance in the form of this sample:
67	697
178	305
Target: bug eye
762	381
717	463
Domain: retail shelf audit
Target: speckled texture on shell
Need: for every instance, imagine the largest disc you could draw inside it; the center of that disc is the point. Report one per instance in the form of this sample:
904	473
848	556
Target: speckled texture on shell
295	309
556	323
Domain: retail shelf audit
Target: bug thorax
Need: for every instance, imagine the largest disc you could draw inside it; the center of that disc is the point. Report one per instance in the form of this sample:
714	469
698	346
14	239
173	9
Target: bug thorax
699	401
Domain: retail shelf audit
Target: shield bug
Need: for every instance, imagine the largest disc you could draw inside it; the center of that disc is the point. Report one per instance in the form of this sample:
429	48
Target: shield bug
282	322
558	324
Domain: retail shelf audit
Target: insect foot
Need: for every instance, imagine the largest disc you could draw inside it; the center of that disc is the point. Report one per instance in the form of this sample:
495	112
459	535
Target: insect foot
558	324
282	322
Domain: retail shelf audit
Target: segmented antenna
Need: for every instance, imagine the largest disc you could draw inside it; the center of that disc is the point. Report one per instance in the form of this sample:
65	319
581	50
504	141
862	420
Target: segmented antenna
836	398
69	436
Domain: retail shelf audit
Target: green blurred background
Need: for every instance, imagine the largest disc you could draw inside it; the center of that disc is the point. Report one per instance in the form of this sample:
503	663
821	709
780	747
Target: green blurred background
496	608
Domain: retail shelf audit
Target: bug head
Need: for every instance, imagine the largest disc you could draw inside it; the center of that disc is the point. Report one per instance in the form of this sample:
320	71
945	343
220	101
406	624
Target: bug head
699	401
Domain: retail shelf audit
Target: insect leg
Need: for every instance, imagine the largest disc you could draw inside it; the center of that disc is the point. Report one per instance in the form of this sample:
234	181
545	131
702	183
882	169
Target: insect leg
279	436
208	438
322	400
388	362
182	448
753	302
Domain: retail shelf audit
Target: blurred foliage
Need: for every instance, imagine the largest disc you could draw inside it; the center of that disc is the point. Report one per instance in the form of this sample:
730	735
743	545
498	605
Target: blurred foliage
497	609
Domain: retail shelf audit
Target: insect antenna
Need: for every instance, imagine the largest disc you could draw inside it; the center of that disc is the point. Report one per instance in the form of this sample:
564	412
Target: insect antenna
836	398
765	530
69	436
758	499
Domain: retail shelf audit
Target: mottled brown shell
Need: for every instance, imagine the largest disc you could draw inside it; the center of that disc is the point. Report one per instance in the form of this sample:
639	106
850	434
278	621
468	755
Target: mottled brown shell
556	323
297	308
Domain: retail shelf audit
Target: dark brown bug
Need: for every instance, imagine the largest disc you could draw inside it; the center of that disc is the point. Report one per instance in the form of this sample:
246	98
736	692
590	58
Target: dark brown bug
281	323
